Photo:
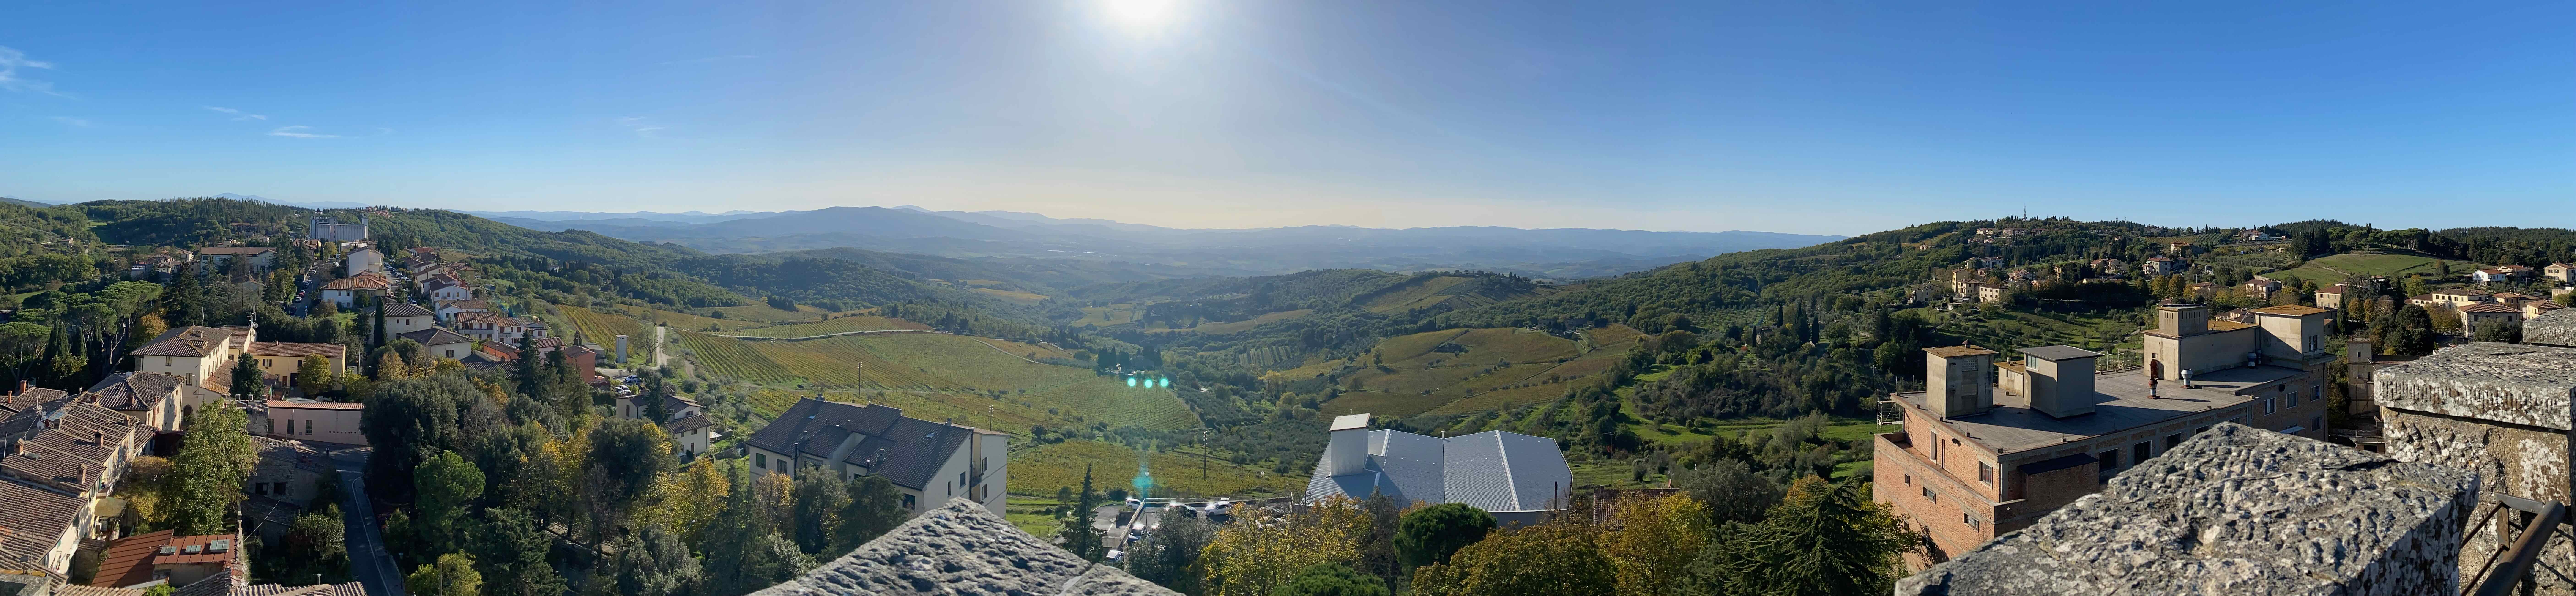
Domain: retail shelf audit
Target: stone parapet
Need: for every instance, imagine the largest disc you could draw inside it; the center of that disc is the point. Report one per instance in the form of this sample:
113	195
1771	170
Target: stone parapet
2524	385
961	548
2557	328
2236	510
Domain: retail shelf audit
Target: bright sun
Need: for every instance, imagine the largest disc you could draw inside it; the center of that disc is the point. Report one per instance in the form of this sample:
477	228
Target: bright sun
1141	15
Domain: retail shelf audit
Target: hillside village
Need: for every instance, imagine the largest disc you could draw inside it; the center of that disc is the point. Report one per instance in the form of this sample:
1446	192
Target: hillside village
376	401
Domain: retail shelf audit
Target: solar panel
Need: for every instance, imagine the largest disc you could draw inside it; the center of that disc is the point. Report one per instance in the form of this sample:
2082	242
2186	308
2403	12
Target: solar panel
220	546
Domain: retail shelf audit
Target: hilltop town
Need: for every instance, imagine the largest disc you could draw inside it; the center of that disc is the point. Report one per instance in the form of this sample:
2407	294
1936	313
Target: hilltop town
391	400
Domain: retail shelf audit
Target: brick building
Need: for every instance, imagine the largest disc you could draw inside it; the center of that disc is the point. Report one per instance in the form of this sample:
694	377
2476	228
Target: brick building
1983	453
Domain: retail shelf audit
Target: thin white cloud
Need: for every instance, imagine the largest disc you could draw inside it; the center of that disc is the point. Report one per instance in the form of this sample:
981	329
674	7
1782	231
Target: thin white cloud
10	61
711	59
73	122
636	123
238	115
298	132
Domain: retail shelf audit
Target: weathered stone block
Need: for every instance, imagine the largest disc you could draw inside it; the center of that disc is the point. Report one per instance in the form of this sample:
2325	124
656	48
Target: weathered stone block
2236	510
2558	328
960	549
2510	383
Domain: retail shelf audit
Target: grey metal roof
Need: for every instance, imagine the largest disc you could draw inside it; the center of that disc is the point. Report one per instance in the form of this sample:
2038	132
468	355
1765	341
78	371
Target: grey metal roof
1493	470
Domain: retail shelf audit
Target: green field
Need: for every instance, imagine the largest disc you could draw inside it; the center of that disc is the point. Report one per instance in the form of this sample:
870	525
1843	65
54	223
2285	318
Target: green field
1246	324
840	324
603	328
1040	470
1012	296
765	314
2329	270
1487	369
931	369
1028	514
1115	314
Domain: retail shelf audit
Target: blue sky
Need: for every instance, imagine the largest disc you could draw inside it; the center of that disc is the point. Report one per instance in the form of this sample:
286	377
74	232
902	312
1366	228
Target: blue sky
1819	117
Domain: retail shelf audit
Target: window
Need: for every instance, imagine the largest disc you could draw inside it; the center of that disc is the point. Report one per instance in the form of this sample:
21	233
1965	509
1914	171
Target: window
1909	478
760	460
1986	473
1928	495
2268	406
1937	447
2317	422
907	501
308	427
2172	441
961	478
259	488
2290	399
2110	460
1971	520
2143	454
782	465
272	427
2317	393
947	489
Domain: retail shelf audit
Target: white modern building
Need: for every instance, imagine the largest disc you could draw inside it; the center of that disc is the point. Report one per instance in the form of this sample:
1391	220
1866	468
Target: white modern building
1518	478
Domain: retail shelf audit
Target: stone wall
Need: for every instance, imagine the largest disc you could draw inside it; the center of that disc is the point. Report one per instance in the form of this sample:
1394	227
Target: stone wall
2503	411
2236	510
960	548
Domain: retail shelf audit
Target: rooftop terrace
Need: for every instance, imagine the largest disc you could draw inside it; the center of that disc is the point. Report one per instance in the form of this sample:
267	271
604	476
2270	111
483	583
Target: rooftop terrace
2120	403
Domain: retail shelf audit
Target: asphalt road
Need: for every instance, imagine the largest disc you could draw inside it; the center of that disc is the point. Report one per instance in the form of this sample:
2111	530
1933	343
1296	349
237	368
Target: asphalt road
368	560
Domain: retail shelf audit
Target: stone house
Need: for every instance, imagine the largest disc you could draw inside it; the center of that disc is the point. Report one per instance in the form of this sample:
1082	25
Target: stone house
364	260
153	399
2562	272
58	460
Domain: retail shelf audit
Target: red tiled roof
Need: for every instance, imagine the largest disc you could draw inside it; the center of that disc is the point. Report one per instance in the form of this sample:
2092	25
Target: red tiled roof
191	341
2488	307
135	390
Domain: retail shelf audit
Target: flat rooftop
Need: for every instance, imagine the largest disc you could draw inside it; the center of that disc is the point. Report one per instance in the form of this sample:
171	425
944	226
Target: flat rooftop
2120	403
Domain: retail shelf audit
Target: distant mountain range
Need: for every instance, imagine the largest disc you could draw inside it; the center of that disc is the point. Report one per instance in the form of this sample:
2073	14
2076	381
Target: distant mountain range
1562	253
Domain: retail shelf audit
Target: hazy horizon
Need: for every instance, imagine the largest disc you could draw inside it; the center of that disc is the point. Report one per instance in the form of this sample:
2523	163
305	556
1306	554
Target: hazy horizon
1800	118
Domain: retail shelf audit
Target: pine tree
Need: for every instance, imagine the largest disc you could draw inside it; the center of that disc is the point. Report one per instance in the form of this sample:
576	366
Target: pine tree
62	363
530	384
246	379
1079	537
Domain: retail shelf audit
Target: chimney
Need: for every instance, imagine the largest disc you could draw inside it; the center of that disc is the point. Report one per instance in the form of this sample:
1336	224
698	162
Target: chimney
1956	380
2061	380
2180	320
1348	451
22	387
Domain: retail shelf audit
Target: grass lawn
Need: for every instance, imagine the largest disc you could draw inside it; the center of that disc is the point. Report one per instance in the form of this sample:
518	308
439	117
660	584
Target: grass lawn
2328	270
1029	515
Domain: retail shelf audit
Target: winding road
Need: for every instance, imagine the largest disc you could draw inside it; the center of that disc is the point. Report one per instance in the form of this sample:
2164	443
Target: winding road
368	560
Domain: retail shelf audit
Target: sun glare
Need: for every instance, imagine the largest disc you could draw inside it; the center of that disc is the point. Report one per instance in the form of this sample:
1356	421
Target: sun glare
1141	15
